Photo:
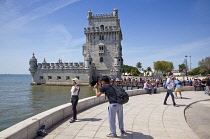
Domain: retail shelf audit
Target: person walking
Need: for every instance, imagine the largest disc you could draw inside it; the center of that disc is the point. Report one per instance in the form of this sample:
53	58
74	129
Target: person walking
169	84
178	88
74	100
114	107
207	85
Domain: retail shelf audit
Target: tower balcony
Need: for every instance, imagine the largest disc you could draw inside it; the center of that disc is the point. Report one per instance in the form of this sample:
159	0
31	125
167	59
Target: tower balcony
101	51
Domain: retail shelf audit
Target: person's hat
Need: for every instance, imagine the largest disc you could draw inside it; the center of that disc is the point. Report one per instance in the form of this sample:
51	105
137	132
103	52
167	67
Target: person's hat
74	79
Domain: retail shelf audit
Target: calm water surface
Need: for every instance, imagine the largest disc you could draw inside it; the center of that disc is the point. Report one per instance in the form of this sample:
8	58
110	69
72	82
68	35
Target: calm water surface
19	100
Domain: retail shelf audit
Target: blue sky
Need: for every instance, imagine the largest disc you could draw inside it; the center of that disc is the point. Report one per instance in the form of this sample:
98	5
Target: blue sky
152	30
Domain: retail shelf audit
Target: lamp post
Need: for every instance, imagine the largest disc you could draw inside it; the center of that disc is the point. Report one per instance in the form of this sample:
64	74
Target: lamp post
186	65
190	63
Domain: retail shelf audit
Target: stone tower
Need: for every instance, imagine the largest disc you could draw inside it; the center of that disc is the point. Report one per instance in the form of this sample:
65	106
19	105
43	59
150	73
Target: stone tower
103	43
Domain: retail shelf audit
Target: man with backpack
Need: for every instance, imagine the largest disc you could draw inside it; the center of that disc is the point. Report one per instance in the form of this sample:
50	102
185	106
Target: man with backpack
178	88
114	107
170	83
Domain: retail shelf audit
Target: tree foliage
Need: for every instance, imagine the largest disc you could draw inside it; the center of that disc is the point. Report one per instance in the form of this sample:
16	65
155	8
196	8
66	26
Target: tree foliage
195	71
138	65
149	69
182	67
163	66
204	66
130	70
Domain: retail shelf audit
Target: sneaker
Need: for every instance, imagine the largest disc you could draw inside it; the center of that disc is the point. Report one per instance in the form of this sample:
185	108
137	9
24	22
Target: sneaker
111	135
165	104
175	105
72	120
123	132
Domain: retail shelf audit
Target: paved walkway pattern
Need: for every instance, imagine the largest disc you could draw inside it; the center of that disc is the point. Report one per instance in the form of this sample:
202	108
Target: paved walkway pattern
145	117
198	118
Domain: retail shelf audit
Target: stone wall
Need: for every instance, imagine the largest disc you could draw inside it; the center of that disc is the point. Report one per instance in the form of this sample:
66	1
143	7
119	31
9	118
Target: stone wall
61	76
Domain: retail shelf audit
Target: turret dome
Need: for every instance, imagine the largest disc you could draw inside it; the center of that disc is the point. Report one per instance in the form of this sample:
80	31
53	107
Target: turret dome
33	58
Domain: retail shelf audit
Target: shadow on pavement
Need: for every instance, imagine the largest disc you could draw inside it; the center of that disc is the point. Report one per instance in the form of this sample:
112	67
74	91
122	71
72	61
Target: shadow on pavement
134	135
88	119
185	98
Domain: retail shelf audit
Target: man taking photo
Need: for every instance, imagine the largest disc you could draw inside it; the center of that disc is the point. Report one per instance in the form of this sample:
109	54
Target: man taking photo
114	107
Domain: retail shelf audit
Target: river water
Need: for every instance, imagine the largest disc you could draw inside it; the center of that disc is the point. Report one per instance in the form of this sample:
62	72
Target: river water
19	100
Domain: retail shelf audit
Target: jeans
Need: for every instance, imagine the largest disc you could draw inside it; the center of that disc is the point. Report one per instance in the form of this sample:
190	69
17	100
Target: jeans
207	89
169	92
196	87
155	90
74	101
114	109
148	90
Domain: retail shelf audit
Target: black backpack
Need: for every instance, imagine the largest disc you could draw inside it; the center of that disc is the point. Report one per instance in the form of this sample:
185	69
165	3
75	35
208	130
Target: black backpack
42	131
122	96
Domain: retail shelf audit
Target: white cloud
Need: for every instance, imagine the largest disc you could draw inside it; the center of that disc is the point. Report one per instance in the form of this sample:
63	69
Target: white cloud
13	17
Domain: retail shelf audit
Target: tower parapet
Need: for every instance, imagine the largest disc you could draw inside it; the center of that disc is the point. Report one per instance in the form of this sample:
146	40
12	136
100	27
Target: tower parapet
55	66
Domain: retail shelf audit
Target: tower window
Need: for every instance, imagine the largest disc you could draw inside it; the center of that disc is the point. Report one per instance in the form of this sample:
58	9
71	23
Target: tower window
101	59
101	48
49	77
41	77
67	77
101	37
58	77
102	27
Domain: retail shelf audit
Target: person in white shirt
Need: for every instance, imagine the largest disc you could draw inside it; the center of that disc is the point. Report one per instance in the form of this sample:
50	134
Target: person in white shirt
170	84
74	100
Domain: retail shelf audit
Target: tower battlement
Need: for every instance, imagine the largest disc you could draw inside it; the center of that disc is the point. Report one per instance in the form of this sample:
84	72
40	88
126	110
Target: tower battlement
102	15
100	29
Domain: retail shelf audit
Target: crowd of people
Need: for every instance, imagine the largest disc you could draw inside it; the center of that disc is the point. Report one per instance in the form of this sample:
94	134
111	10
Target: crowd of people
171	84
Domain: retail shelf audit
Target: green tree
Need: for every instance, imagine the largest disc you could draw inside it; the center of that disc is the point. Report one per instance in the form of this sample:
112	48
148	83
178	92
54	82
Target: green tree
204	66
195	71
135	71
163	66
130	70
182	67
138	65
148	70
126	69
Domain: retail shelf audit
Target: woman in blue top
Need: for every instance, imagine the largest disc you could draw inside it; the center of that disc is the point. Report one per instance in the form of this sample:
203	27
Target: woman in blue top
178	88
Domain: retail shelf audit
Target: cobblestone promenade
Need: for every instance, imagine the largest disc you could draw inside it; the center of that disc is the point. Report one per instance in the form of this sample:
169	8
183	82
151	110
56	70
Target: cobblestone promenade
145	117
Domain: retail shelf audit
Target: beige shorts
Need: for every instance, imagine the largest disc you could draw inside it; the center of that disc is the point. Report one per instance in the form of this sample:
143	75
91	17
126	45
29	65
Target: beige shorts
178	89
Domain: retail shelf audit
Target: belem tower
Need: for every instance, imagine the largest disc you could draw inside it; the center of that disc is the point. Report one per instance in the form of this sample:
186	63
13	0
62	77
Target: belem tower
102	55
